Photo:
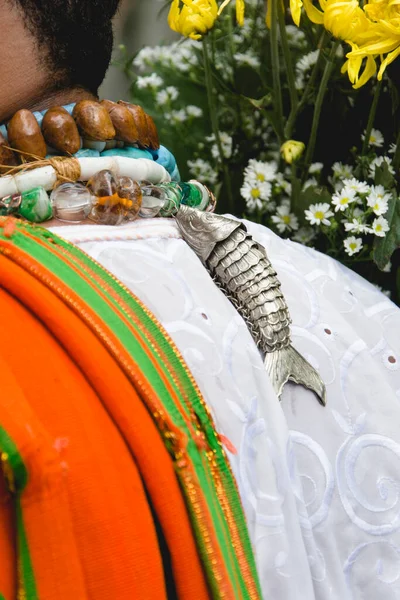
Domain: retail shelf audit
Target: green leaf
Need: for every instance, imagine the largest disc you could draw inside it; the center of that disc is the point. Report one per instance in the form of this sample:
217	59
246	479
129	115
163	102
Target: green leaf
383	176
311	195
384	247
263	102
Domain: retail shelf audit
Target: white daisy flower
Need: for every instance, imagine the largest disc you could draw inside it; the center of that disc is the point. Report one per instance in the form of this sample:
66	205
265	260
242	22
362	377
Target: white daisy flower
310	182
315	168
179	116
352	245
295	36
392	149
378	199
307	61
375	138
281	184
167	96
256	193
285	220
246	58
194	111
341	171
356	226
343	199
380	227
304	235
152	81
226	143
378	162
261	171
203	171
359	187
319	213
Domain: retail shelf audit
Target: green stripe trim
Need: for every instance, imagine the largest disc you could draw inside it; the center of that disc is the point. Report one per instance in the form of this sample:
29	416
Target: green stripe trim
20	479
13	461
26	574
186	384
92	294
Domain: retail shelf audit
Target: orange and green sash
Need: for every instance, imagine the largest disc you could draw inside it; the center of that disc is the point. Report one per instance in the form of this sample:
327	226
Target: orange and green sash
148	417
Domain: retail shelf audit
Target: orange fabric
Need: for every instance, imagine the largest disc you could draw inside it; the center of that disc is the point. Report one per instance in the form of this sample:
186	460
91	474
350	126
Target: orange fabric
87	440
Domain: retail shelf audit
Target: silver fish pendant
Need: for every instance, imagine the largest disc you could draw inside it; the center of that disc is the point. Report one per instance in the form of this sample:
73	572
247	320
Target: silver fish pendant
241	269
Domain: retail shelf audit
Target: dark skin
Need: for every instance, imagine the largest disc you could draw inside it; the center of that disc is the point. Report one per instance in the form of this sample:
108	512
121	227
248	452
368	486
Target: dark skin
26	83
25	80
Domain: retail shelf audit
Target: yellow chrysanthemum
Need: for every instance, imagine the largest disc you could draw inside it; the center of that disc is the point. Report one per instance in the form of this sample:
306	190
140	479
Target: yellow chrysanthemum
192	18
240	7
343	18
384	33
372	31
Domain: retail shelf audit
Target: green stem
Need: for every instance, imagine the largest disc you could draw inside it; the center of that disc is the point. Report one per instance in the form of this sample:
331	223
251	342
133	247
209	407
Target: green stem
318	107
276	81
310	83
214	123
396	157
291	80
371	117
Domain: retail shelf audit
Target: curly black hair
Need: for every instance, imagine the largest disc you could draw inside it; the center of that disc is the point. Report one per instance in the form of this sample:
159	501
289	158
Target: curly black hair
74	36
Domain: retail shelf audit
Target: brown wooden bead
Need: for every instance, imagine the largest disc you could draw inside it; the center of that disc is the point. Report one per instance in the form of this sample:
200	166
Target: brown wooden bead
60	130
141	123
123	121
24	134
93	121
154	140
7	156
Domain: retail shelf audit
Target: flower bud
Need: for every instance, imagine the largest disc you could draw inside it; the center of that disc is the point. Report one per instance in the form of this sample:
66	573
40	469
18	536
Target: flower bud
193	18
292	150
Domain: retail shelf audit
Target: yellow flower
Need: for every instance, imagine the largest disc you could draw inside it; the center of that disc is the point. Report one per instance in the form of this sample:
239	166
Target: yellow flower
192	18
353	65
240	6
292	150
295	9
384	33
372	31
343	18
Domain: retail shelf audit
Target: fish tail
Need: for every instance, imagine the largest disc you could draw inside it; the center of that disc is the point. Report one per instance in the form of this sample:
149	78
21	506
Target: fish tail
288	365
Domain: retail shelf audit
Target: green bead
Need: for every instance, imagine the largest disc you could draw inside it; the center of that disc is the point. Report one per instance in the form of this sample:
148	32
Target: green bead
172	200
191	195
35	205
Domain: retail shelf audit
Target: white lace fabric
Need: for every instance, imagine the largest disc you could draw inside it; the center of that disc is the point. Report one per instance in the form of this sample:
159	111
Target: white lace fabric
320	486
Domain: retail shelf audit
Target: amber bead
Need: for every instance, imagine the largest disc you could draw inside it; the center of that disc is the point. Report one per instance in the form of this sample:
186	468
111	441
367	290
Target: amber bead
60	130
123	122
7	156
103	184
130	191
154	140
24	134
93	120
141	123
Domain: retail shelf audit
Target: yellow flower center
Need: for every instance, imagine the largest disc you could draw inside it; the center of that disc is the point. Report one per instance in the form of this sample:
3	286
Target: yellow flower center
255	193
260	177
286	219
378	227
353	245
319	214
372	139
344	201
